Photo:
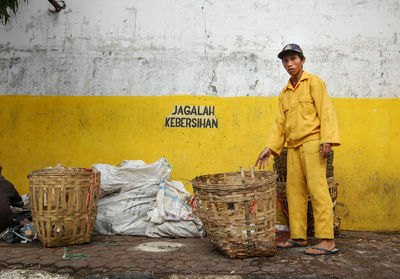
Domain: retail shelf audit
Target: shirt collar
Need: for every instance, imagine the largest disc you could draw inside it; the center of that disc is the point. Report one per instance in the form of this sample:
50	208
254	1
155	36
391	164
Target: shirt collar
289	85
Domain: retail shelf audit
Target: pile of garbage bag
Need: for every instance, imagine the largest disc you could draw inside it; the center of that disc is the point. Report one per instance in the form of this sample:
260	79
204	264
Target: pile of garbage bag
138	199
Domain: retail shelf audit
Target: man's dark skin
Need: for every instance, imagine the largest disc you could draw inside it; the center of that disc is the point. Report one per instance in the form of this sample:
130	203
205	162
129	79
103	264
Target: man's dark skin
293	64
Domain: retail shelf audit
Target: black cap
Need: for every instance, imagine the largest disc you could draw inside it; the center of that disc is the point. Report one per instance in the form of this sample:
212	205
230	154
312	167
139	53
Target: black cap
290	47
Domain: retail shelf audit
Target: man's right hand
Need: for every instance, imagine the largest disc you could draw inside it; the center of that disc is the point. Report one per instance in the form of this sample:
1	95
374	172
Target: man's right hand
263	157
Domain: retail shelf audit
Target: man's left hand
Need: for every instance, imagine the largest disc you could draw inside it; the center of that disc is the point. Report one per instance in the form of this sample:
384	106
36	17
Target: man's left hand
325	148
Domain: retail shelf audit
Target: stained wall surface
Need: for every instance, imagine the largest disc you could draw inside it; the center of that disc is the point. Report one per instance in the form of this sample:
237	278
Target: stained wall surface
99	83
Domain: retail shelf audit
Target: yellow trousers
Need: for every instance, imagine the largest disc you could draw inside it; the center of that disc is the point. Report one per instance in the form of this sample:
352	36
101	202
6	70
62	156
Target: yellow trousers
306	172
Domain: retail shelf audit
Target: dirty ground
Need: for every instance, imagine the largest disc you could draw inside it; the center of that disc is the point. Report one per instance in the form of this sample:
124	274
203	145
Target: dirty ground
362	255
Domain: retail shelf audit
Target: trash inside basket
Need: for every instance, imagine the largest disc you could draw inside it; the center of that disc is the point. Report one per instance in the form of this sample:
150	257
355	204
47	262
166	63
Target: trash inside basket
238	211
64	204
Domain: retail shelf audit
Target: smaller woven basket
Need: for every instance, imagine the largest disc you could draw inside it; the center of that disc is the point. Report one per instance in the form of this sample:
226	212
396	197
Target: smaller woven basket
332	185
280	167
238	211
64	204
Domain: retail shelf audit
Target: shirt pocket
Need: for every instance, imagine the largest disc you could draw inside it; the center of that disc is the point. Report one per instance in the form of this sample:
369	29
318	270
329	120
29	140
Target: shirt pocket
307	106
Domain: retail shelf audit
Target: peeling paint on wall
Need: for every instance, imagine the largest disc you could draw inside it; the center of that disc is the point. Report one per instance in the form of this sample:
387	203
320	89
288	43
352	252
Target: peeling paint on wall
216	48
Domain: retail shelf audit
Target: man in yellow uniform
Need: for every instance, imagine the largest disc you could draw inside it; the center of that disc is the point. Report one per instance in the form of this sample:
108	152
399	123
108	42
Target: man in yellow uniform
306	122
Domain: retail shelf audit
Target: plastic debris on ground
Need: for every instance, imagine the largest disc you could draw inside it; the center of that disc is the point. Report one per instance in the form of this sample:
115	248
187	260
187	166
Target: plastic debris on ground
281	228
21	229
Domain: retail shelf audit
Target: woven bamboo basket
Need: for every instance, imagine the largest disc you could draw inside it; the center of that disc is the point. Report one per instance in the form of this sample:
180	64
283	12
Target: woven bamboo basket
332	185
280	165
64	204
238	211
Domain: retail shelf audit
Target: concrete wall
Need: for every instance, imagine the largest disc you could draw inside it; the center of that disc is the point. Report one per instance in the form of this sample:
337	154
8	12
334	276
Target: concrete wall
218	48
96	82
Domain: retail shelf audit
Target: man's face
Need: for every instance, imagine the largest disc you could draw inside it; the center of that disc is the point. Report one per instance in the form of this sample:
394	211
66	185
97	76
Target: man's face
292	63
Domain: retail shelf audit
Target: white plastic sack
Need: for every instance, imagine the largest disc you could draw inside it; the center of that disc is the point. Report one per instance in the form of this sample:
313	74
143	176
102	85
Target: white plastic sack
131	174
128	193
172	214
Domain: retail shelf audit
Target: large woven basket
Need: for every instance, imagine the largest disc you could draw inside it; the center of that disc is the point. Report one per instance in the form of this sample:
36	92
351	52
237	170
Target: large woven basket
64	204
332	186
238	211
280	165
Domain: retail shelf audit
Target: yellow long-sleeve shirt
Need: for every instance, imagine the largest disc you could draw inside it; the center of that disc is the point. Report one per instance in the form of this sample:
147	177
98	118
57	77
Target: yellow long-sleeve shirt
305	113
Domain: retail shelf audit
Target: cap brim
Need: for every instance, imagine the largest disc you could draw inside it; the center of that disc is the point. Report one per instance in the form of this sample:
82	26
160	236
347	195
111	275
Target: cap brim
283	52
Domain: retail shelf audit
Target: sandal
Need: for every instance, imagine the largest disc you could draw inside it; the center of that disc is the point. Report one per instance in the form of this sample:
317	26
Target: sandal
325	251
294	244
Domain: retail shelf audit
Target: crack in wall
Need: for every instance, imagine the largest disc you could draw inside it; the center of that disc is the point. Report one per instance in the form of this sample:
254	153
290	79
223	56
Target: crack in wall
211	84
206	36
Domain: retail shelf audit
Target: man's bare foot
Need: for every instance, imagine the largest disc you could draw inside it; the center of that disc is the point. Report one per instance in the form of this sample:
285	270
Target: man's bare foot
326	244
291	243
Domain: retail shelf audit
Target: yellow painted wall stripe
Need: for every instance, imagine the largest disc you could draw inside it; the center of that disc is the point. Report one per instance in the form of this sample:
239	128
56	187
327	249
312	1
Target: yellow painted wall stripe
41	131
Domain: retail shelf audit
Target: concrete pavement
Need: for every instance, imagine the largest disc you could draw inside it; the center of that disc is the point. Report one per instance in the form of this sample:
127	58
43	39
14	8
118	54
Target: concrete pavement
362	255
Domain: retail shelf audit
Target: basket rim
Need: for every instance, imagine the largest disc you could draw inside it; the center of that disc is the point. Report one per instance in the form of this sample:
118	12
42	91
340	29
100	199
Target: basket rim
62	171
233	187
269	172
246	182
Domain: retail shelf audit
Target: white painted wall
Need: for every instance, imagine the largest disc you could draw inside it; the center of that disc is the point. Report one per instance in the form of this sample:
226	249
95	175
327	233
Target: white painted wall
211	47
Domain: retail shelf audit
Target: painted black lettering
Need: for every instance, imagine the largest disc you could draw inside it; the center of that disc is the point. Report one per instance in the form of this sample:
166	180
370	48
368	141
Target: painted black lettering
212	109
191	117
187	110
180	110
175	110
167	119
179	122
188	122
214	123
208	123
